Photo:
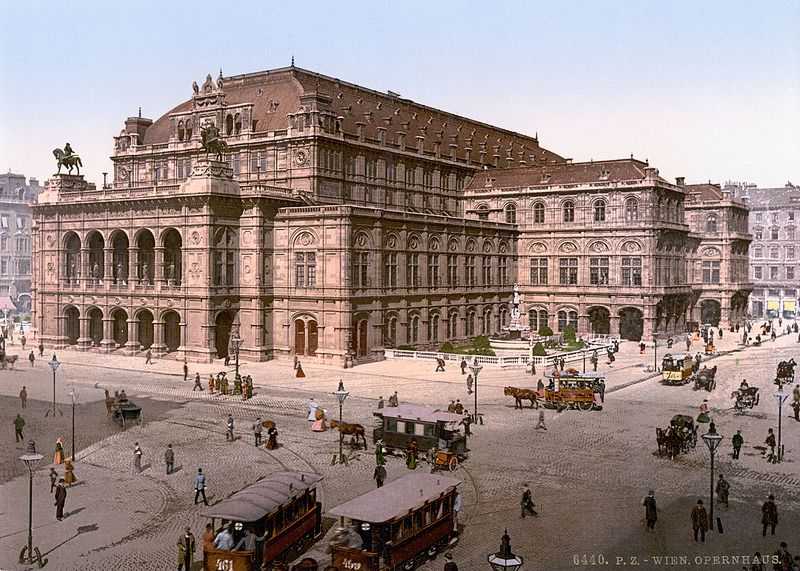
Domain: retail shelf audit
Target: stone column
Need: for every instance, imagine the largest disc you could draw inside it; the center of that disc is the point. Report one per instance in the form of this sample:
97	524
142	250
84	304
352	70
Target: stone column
60	340
159	348
158	272
107	343
133	266
84	271
132	346
108	269
84	341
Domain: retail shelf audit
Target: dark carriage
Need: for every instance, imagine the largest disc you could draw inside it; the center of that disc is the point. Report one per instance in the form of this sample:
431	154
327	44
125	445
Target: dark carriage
433	429
785	373
283	506
400	525
679	436
125	412
745	398
706	378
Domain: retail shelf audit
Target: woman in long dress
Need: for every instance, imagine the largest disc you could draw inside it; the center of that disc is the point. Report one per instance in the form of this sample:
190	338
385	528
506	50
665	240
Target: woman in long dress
319	424
69	473
58	457
703	416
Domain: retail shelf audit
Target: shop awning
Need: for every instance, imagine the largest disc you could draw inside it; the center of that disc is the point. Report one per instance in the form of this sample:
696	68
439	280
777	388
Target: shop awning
773	304
789	305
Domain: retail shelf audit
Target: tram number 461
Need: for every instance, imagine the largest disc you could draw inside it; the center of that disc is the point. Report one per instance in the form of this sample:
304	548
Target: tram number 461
350	564
224	565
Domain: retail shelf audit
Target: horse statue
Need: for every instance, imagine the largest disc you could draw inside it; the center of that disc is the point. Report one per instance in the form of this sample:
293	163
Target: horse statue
67	158
211	140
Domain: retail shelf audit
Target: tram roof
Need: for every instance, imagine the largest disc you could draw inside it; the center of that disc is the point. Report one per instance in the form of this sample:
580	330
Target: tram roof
265	496
417	412
396	498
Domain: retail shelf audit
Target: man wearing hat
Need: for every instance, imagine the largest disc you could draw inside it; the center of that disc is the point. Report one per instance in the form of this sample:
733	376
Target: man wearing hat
737	441
700	521
650	510
769	515
449	564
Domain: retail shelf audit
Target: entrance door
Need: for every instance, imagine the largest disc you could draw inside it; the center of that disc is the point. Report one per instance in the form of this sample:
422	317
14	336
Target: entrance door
312	338
299	337
145	329
222	333
96	326
172	331
72	325
631	324
600	320
120	327
361	338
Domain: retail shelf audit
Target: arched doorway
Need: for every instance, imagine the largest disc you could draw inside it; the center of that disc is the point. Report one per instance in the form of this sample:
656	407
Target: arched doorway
299	337
631	324
710	312
222	333
172	331
145	329
600	318
72	325
361	347
120	325
95	326
146	245
172	257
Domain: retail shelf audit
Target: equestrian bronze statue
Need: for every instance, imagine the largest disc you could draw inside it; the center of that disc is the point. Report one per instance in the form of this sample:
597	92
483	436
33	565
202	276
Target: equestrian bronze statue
212	142
67	158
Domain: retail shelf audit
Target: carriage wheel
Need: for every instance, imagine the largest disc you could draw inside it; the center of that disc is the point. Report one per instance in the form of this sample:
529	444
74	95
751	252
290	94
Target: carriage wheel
586	405
452	464
409	565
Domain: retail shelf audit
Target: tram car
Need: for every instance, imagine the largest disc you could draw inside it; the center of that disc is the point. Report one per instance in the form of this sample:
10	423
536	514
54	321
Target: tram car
571	389
676	368
433	429
398	526
283	506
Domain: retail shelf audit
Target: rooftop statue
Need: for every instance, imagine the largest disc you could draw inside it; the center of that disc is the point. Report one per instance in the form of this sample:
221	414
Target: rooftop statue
211	140
67	158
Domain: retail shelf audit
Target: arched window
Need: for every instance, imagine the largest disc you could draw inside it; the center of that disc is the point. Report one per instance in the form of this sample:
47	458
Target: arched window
600	211
569	211
433	327
452	324
229	125
711	223
631	210
237	124
483	212
511	214
413	330
391	332
188	130
181	131
224	257
471	323
486	326
538	213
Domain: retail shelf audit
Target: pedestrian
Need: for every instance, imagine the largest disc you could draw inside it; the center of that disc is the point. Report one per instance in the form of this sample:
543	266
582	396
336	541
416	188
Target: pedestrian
137	457
380	402
601	385
526	502
186	547
458	408
23	340
208	543
169	459
470	382
380	451
185	370
722	489
227	360
272	438
737	441
594	361
796	409
770	442
379	475
699	521
58	455
299	373
449	564
41	349
650	510
229	436
61	499
463	366
772	335
688	343
641	348
200	486
295	363
561	364
211	384
541	424
467	422
769	516
312	409
784	558
19	424
32	358
23	397
148	357
257	428
720	333
393	401
439	365
53	479
451	408
197	384
458	505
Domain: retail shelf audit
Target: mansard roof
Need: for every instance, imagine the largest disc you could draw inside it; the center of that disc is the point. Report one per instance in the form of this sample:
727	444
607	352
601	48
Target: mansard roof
275	93
705	191
562	174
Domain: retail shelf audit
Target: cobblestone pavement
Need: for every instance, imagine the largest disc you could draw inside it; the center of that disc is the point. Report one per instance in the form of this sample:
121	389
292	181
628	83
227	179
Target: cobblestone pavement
588	471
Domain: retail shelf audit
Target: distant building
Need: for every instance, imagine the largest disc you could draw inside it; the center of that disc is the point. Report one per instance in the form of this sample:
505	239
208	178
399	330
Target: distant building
16	197
774	218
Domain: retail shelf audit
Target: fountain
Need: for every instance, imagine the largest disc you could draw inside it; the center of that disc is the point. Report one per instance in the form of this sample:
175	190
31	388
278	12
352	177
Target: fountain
512	338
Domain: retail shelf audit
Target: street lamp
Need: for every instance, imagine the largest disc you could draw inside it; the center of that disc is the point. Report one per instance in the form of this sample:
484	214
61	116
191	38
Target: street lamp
341	396
781	397
29	553
73	393
236	343
476	367
505	560
54	364
712	440
655	354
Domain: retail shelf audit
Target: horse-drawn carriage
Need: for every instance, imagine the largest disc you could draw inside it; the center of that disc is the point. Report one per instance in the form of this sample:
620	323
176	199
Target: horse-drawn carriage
785	373
745	398
571	389
679	436
676	368
124	412
706	378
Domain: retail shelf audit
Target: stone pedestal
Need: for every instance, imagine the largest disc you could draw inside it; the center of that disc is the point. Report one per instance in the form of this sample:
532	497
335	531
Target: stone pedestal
210	176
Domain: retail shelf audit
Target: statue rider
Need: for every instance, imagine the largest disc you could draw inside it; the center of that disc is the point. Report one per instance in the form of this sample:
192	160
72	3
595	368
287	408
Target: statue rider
68	152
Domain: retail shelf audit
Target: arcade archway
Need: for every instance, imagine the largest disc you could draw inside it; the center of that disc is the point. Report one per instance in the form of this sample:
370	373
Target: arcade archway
600	319
222	333
72	325
120	325
95	326
145	329
710	312
172	331
631	324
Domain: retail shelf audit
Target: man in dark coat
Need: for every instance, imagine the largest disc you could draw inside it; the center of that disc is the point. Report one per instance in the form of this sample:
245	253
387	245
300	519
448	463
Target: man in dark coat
186	544
769	516
169	459
185	371
737	441
463	366
526	502
700	521
41	349
770	441
61	499
19	424
723	489
650	510
379	475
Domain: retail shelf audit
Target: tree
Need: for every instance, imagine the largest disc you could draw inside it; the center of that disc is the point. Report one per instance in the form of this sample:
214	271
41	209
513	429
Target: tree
446	347
545	331
538	350
569	334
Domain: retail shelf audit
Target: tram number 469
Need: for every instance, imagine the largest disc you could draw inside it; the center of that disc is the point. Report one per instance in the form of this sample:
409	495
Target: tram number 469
350	564
224	565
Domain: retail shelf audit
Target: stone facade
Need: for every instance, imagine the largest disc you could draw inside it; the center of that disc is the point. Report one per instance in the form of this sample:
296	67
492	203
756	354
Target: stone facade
16	197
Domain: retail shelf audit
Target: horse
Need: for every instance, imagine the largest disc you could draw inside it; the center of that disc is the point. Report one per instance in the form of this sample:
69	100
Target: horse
521	395
351	429
8	360
69	161
786	368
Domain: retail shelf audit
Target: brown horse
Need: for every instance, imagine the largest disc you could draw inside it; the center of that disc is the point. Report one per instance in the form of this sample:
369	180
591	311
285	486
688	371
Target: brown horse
351	429
521	395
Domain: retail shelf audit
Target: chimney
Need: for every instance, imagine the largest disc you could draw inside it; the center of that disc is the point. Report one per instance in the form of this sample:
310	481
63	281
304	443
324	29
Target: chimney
680	180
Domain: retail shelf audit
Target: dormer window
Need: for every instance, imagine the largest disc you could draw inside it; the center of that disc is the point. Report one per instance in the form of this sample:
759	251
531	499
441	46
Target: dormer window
181	131
483	212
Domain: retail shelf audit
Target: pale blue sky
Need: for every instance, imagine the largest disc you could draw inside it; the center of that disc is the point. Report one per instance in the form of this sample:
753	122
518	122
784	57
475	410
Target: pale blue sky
703	89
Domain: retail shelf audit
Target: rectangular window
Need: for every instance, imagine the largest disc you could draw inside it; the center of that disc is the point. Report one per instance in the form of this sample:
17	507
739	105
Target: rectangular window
3	267
790	292
759	217
237	164
773	253
305	269
710	272
4	222
486	270
791	216
219	267
433	270
412	270
598	271
790	252
757	272
774	292
568	271
360	270
391	425
390	270
502	270
631	271
409	427
773	273
774	234
789	272
774	217
470	263
20	223
300	269
538	271
790	233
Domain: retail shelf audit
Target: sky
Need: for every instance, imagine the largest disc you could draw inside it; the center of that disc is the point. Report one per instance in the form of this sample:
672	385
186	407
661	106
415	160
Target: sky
706	90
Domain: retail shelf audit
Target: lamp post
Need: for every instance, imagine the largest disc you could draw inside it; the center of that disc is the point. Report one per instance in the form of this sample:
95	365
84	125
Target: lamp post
655	354
54	364
236	344
105	184
505	560
712	440
781	397
476	367
29	553
73	393
341	396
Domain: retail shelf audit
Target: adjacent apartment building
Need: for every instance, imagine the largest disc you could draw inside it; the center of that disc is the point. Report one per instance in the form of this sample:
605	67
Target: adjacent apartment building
17	195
